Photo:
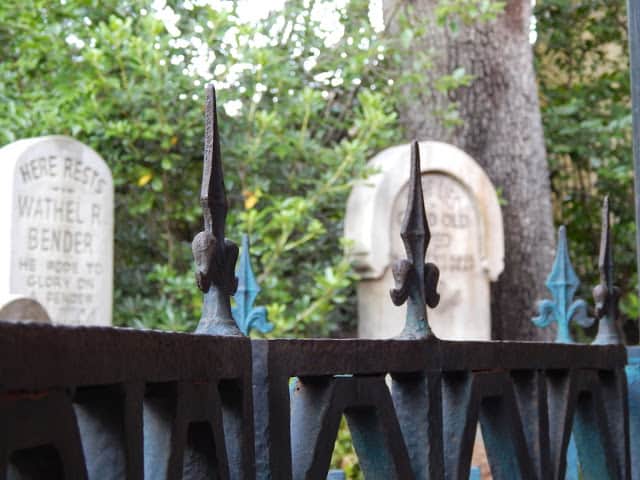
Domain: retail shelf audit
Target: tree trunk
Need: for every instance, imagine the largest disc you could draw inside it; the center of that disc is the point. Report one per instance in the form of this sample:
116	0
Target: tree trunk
502	130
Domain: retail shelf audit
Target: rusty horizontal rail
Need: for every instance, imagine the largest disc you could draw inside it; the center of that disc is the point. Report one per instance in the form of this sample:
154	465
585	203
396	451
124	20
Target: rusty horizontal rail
323	356
91	402
527	397
34	356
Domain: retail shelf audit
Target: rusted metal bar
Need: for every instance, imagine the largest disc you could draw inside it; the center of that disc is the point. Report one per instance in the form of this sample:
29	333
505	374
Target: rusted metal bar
439	391
115	403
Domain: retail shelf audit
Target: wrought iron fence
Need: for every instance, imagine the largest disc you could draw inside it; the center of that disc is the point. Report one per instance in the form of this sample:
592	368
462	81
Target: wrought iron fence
115	403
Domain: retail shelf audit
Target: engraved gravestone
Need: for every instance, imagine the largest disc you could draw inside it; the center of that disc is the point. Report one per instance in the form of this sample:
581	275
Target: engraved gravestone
467	241
56	212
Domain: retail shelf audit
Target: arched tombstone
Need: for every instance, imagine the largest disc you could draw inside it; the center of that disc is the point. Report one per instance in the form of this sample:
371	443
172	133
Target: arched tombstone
56	215
467	240
17	308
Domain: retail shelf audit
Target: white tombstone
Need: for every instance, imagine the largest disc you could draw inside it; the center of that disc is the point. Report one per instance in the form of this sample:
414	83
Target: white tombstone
467	242
56	215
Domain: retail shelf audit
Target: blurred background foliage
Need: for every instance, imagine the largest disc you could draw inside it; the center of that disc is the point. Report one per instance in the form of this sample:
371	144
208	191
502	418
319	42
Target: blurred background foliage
301	111
307	94
582	61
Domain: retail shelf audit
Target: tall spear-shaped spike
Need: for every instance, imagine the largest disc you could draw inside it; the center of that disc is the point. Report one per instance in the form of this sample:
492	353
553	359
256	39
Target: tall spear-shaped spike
415	229
606	294
214	255
213	198
605	258
414	279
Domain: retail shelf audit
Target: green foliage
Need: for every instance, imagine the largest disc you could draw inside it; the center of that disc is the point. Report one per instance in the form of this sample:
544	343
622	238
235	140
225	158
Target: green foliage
300	112
452	12
344	455
582	64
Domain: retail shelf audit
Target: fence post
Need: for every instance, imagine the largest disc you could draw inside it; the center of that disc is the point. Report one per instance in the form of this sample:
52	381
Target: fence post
633	15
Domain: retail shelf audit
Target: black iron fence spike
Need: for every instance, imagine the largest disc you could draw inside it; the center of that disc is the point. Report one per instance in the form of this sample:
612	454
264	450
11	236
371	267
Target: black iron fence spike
606	295
215	256
415	281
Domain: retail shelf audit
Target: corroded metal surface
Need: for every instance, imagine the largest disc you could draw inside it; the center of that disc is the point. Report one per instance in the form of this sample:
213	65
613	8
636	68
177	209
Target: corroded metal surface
215	256
111	403
633	384
563	282
606	295
416	280
117	403
526	397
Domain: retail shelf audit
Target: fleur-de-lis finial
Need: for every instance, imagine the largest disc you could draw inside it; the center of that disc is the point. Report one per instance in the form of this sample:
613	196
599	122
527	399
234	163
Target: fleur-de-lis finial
415	280
562	282
214	255
245	314
606	294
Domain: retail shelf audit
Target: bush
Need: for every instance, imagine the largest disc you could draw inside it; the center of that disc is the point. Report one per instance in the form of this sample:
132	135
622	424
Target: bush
300	113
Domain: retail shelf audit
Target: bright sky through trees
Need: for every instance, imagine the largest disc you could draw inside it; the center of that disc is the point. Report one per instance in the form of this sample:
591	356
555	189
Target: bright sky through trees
325	13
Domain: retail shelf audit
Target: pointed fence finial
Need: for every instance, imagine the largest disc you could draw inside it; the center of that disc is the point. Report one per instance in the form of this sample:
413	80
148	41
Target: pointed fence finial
244	313
415	280
562	282
214	255
606	294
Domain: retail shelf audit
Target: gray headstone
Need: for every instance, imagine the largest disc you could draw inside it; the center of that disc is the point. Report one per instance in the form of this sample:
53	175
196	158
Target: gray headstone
16	308
56	209
467	242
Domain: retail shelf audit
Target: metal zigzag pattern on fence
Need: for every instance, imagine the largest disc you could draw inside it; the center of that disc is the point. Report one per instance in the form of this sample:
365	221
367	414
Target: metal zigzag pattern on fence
107	403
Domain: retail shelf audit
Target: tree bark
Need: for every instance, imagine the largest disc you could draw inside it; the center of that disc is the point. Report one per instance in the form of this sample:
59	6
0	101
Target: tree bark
501	129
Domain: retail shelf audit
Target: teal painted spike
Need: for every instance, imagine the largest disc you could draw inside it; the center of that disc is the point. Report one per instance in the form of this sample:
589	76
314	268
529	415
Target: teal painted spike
244	313
562	282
